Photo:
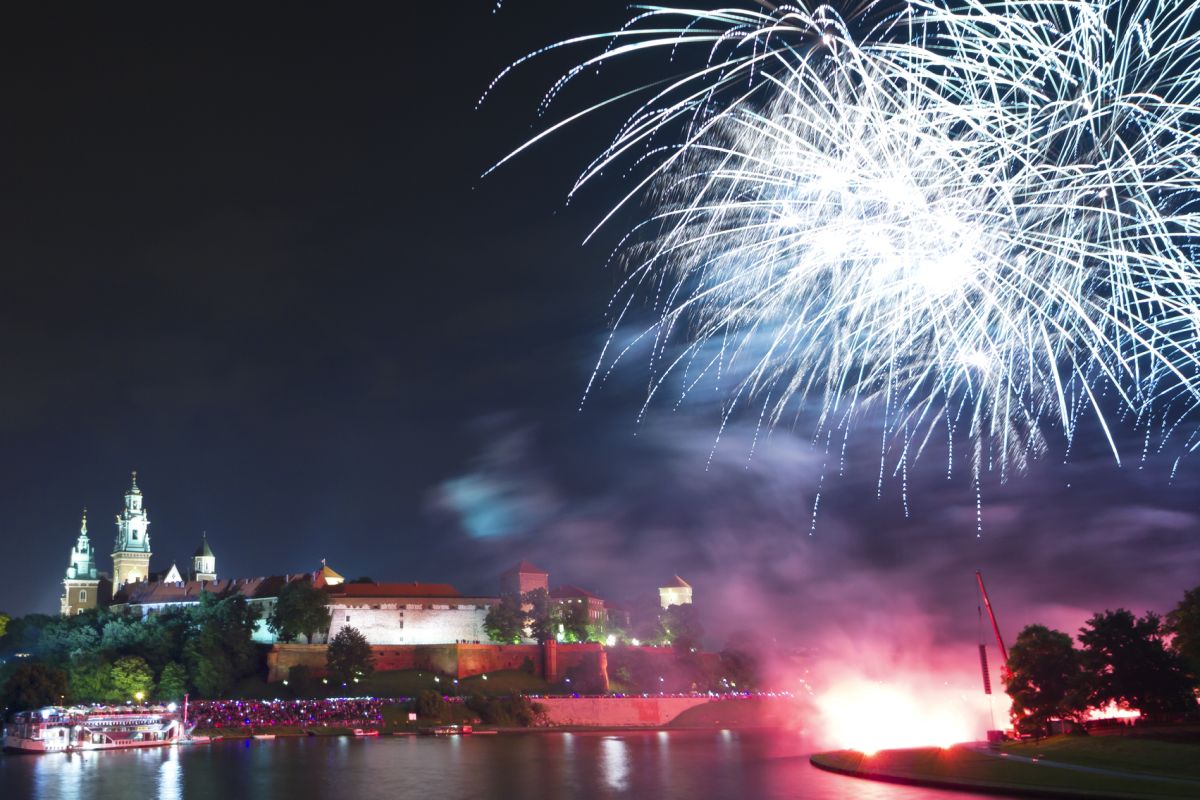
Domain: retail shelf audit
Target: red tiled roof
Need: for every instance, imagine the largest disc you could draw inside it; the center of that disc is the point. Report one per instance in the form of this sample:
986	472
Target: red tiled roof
153	592
678	583
525	568
560	592
395	590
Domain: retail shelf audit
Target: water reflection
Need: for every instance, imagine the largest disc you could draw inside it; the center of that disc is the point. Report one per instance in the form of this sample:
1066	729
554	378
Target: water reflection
616	762
170	778
680	765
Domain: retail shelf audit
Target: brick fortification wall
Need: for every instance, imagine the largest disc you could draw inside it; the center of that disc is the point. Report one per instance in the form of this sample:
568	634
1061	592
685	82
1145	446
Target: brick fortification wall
616	711
459	660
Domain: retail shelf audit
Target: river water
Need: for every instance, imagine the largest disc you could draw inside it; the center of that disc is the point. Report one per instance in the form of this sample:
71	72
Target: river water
688	765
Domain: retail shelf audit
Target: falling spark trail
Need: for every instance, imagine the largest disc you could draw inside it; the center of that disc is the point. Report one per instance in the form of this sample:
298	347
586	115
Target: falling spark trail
976	217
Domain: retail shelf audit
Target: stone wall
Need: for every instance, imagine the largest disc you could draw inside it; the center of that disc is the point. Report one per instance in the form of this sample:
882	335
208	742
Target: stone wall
477	659
616	711
587	661
400	623
283	657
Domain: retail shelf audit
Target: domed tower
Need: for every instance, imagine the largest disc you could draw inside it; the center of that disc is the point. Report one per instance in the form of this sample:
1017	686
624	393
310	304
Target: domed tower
204	563
131	553
81	586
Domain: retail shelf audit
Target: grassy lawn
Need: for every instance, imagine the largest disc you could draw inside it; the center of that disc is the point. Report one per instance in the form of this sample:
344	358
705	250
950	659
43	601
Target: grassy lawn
966	767
1133	754
506	682
401	683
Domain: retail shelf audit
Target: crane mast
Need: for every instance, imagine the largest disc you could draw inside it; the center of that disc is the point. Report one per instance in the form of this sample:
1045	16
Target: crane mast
987	603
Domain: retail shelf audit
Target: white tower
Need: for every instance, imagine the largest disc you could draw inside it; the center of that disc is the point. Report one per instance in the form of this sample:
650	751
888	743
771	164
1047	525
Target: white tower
131	553
204	563
676	593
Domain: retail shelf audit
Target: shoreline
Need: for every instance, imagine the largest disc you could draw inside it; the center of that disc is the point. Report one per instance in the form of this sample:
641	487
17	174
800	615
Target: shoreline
231	734
1063	775
933	783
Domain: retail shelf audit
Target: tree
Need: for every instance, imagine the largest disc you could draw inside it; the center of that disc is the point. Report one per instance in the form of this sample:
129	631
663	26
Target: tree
1046	679
4	618
220	649
65	640
34	686
132	678
91	681
25	633
431	705
349	656
740	660
302	609
172	682
542	616
574	620
1131	665
1183	623
682	628
505	621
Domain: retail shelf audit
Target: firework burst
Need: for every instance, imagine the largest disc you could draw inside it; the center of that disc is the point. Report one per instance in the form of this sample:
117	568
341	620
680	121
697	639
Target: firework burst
976	220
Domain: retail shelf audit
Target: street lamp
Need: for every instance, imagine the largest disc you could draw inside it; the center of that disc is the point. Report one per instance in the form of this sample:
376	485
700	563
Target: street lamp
138	696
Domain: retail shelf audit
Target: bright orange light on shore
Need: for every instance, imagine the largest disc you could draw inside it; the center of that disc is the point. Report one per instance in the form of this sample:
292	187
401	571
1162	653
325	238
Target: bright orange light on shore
1113	711
868	716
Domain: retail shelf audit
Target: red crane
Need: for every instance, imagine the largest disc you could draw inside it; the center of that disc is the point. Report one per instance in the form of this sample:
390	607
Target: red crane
987	603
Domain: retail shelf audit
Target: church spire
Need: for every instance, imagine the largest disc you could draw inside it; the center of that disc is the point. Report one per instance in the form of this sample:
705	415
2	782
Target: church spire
131	552
83	565
82	581
204	562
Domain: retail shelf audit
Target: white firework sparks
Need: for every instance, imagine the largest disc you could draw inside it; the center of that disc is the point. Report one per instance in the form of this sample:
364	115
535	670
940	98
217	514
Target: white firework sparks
974	218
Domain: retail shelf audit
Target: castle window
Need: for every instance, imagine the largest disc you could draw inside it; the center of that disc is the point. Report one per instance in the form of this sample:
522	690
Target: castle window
83	595
347	618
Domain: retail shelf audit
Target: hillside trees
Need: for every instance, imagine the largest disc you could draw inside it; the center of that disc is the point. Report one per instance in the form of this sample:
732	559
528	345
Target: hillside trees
505	621
219	649
1131	665
1183	624
349	656
33	686
1046	679
301	610
132	678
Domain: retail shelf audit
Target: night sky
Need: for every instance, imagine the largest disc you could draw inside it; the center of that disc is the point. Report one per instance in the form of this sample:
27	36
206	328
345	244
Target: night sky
250	255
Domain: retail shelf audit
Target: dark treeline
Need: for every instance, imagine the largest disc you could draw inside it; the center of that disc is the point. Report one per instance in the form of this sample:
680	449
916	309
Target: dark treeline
1150	664
103	657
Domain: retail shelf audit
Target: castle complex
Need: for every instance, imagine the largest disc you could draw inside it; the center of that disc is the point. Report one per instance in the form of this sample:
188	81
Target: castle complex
385	613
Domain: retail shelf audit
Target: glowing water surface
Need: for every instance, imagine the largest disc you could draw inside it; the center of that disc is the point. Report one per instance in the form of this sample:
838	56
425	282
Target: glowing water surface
688	765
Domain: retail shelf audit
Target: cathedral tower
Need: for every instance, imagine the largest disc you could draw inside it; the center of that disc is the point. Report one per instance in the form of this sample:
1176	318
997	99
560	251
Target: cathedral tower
131	553
204	563
81	586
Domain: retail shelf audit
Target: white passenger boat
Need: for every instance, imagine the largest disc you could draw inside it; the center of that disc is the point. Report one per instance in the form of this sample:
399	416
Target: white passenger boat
57	730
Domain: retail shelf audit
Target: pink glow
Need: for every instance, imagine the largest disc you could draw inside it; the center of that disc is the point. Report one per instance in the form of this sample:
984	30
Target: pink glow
859	714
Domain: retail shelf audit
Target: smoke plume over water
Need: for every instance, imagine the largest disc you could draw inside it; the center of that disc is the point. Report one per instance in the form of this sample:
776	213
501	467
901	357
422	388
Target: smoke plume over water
874	613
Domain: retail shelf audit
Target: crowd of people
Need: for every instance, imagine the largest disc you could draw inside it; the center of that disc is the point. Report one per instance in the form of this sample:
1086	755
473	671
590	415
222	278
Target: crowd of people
332	713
